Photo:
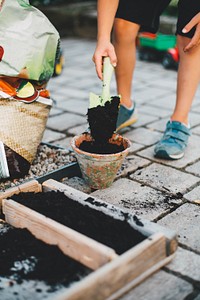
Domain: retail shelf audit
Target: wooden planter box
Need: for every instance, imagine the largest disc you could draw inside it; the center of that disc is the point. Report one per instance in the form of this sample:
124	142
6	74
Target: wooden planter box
113	274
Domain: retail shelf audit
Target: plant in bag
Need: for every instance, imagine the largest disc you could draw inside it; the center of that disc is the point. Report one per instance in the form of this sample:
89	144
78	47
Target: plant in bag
27	58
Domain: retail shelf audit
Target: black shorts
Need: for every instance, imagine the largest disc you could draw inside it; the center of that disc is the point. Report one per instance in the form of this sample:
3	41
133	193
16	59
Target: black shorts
147	13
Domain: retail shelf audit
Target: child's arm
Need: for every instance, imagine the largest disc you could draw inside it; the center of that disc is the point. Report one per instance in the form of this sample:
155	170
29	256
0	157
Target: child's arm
106	14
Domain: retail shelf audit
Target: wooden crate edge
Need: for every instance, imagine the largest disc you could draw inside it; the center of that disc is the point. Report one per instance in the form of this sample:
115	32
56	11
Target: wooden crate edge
128	270
74	244
29	186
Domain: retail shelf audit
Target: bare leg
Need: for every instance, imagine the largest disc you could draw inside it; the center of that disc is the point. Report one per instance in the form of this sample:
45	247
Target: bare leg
188	80
125	34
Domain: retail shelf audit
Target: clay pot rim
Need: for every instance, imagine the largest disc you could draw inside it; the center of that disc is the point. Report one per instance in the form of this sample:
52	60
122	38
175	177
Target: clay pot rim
76	148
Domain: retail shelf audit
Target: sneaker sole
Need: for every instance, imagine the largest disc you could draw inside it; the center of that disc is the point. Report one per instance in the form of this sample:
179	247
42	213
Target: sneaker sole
128	123
164	155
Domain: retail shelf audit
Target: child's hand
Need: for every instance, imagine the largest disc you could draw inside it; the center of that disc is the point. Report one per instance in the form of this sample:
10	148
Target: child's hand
103	49
195	41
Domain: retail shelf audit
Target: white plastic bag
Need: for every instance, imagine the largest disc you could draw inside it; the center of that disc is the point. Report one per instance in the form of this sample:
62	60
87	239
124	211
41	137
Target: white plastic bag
28	41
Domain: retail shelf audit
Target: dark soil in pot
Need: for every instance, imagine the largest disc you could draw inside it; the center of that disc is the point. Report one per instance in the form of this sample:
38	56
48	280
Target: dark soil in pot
93	223
100	148
23	257
102	122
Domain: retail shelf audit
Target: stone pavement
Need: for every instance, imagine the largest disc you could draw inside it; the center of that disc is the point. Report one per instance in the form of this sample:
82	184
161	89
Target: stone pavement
166	192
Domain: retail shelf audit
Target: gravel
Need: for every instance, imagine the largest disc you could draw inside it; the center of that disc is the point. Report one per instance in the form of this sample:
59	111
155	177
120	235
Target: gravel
48	159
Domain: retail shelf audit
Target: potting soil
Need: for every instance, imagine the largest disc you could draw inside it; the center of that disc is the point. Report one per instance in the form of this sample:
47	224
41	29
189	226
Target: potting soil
100	148
23	257
115	233
103	119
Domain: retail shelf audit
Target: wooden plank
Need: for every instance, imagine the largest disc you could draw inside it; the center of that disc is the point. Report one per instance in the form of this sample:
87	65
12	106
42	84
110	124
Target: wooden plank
128	270
53	185
126	288
29	186
149	228
79	247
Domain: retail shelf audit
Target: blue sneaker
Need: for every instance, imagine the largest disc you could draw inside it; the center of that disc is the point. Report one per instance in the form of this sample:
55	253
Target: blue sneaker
126	117
174	141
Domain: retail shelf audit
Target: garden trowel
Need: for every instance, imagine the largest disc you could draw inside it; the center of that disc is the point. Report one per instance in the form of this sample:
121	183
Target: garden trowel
103	109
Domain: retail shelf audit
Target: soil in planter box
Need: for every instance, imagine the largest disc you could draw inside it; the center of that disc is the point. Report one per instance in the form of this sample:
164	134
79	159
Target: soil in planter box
93	223
102	122
23	257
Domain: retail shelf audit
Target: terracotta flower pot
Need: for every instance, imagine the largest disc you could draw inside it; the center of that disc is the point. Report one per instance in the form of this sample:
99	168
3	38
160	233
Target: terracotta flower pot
99	170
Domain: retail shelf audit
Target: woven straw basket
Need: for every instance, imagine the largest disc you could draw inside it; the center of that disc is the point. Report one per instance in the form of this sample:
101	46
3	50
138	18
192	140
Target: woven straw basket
22	125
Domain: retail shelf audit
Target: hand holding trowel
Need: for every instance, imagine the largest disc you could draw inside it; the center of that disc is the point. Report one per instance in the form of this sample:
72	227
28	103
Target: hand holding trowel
103	110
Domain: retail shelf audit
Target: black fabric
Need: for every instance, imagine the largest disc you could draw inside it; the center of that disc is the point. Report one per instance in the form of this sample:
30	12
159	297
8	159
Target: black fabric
147	13
187	10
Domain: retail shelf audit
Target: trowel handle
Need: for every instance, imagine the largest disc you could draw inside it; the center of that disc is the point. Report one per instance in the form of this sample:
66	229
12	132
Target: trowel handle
107	75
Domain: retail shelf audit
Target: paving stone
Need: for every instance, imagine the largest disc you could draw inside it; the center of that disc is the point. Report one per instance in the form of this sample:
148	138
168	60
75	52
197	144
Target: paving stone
154	111
71	93
74	106
186	263
78	129
144	120
64	143
165	178
185	221
194	168
135	147
192	153
153	93
196	130
194	195
169	84
65	121
77	183
194	120
86	84
144	75
196	108
161	286
158	125
143	136
57	82
137	198
55	111
139	84
165	101
131	164
50	136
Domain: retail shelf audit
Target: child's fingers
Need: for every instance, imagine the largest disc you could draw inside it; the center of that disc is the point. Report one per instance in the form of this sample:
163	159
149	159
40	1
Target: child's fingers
195	41
113	58
99	66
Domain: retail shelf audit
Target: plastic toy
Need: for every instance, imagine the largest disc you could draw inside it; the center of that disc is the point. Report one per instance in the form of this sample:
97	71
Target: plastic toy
171	58
158	47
